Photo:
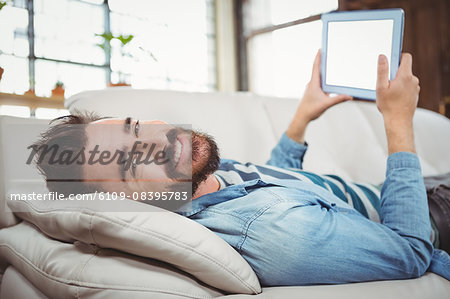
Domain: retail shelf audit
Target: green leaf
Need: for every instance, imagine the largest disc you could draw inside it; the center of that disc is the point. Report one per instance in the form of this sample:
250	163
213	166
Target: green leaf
106	45
2	4
108	36
125	39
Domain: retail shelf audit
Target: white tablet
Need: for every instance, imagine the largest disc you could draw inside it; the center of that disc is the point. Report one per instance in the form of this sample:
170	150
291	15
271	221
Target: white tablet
351	43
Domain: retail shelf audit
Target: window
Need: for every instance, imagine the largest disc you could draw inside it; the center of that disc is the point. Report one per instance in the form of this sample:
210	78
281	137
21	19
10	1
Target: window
282	38
172	45
65	46
14	48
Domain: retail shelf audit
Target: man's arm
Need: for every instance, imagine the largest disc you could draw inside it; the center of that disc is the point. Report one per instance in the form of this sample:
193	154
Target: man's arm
404	206
291	148
397	101
313	104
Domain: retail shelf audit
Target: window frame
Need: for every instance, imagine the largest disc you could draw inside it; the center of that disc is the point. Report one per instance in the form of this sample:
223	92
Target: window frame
31	42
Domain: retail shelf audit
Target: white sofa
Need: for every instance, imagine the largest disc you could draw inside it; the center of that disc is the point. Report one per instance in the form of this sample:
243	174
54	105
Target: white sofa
71	250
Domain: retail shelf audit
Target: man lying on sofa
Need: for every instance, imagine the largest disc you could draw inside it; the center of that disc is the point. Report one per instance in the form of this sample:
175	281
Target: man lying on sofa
293	227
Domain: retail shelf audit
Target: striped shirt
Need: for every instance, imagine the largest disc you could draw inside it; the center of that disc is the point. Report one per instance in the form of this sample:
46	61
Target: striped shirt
365	198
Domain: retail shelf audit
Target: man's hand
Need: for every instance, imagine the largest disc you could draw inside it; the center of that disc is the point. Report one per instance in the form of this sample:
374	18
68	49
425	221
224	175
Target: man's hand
397	101
313	104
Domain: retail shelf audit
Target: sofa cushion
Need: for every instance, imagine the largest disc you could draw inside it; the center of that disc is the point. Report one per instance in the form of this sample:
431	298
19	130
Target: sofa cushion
146	231
428	286
15	285
16	134
78	270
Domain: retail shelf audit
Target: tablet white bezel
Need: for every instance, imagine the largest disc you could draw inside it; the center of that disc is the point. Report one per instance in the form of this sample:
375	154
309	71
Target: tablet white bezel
397	15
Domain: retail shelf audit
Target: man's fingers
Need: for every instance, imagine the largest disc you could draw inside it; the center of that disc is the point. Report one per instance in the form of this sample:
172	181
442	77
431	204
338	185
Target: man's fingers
338	99
383	72
341	98
315	76
405	64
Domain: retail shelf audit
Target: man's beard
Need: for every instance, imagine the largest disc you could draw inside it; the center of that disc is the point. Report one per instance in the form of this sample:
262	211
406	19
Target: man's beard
205	159
205	151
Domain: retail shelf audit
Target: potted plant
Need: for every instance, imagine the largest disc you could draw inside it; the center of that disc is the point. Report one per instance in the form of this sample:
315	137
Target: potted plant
58	91
108	37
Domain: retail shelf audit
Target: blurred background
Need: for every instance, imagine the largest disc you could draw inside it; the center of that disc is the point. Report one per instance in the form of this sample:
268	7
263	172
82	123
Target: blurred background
52	49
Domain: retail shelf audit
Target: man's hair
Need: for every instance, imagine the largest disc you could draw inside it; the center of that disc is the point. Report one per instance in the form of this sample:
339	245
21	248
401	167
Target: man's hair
66	133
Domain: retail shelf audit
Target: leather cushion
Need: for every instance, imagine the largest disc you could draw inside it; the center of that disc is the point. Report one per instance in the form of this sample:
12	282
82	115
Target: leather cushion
152	232
78	270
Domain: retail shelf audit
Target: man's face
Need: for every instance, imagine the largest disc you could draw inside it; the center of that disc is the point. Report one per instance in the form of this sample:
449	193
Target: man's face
157	157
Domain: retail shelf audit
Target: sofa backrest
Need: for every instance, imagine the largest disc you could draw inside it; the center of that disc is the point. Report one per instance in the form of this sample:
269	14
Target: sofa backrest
348	140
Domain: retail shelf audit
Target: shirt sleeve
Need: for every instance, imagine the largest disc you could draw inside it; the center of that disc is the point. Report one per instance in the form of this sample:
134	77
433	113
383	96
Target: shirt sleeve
404	205
288	153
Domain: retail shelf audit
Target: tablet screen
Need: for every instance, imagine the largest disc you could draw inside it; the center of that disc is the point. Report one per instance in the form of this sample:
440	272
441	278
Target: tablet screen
353	49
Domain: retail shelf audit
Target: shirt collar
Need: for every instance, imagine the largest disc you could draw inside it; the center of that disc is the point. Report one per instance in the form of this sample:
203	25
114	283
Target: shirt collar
213	198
